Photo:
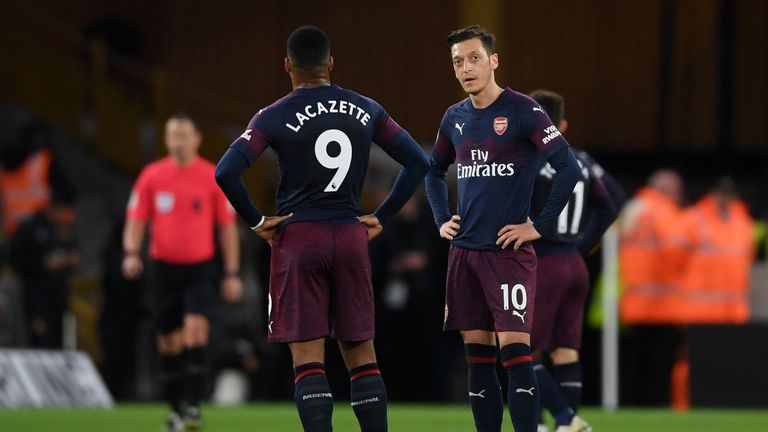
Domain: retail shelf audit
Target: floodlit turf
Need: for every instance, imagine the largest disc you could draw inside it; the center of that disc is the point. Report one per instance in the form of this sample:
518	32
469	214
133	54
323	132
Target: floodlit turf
403	418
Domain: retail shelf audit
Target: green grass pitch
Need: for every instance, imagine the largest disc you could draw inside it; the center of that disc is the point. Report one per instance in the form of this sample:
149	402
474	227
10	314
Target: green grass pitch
402	417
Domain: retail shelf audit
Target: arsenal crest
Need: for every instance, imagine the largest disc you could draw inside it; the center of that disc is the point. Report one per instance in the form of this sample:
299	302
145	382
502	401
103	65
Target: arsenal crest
500	125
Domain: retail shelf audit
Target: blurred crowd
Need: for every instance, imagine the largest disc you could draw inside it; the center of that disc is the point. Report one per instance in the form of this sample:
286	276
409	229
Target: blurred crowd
679	266
38	218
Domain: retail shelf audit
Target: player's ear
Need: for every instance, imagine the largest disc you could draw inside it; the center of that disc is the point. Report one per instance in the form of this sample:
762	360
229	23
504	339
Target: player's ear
330	63
494	61
563	126
287	65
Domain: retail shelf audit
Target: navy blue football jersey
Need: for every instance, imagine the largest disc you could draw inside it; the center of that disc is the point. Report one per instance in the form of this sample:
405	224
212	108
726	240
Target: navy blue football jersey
615	191
589	195
498	151
322	137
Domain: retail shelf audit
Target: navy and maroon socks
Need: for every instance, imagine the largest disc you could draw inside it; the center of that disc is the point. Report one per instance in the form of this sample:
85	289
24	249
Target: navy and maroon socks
483	385
569	377
551	398
523	389
313	397
368	397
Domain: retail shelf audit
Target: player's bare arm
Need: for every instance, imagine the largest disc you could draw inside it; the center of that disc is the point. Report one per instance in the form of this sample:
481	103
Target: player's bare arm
517	234
231	283
450	228
133	234
371	223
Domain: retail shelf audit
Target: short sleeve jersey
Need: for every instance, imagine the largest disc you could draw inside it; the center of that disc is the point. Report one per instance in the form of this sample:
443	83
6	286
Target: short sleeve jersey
182	205
498	151
322	137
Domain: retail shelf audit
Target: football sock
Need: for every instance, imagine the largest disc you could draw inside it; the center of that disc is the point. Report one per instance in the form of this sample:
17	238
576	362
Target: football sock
313	397
569	377
523	391
484	389
195	375
369	397
172	379
551	399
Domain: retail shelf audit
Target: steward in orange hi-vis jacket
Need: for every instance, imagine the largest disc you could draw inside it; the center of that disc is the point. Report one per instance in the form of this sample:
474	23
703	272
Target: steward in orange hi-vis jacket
651	254
719	237
25	189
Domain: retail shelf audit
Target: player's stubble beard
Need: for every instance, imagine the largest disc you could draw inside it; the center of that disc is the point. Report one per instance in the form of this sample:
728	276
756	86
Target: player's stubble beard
478	90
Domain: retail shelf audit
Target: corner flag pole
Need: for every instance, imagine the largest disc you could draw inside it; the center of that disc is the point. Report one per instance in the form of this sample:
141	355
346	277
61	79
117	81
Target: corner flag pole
610	336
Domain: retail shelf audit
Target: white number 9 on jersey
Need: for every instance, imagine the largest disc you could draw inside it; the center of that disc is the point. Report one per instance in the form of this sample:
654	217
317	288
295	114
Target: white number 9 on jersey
340	162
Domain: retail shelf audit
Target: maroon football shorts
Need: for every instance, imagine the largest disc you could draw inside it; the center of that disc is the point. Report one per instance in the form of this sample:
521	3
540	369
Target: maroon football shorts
490	290
320	283
563	285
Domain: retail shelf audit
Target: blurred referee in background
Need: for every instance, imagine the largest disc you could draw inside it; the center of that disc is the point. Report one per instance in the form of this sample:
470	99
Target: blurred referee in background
179	199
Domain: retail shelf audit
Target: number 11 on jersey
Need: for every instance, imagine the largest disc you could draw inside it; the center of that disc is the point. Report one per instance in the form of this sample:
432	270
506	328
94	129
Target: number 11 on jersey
578	209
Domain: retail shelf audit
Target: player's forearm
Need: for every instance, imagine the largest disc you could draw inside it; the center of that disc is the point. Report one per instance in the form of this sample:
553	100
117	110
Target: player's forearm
437	193
603	218
604	213
566	175
230	248
133	234
229	173
616	192
415	166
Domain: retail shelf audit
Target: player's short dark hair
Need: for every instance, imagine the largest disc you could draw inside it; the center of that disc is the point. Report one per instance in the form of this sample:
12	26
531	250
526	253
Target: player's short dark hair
185	117
552	103
308	47
472	32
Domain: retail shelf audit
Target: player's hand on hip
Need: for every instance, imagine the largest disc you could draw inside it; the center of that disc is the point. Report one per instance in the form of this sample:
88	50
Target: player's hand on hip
372	224
132	266
231	288
449	229
517	235
268	229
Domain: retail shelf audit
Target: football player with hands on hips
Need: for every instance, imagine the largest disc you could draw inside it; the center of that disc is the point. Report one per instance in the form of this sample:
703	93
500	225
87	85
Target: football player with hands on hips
497	138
